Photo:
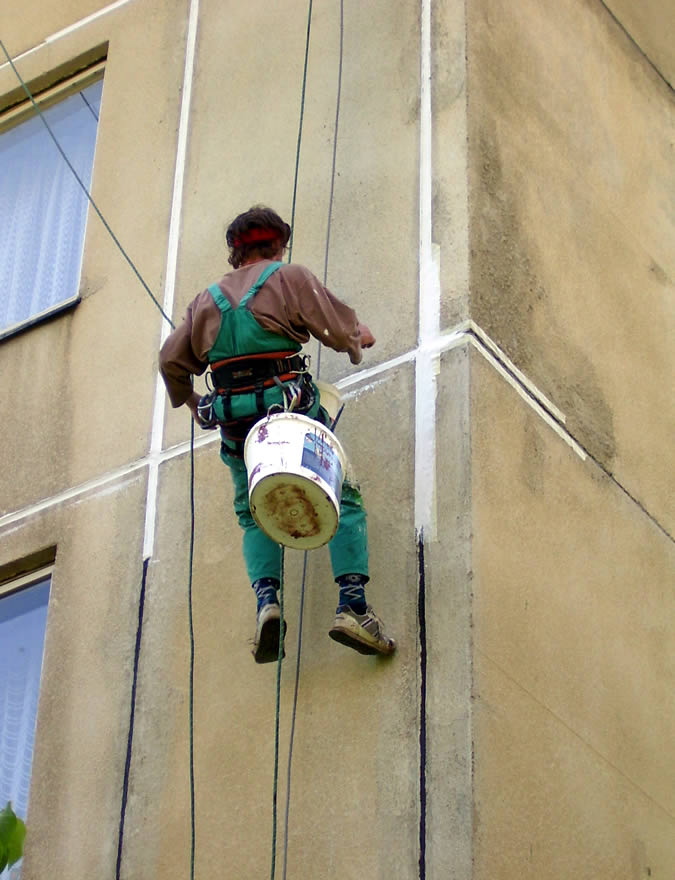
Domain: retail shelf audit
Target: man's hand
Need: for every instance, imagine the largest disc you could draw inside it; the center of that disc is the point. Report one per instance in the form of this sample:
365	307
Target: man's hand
192	402
367	338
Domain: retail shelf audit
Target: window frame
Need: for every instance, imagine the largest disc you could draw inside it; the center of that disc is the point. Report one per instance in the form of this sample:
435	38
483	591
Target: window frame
15	115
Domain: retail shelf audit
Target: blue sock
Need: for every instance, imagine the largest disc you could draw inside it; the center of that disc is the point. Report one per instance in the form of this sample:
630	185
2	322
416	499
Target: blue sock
352	591
266	591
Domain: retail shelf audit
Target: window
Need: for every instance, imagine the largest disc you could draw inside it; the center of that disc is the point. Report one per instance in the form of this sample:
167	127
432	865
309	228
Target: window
43	210
23	616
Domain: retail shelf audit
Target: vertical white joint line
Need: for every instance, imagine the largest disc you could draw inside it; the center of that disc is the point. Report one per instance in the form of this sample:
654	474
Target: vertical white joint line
428	305
171	270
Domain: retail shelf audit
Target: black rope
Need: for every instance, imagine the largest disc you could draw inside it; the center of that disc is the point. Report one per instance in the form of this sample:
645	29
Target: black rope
318	372
333	166
422	626
132	715
302	117
83	186
93	112
335	141
192	650
295	706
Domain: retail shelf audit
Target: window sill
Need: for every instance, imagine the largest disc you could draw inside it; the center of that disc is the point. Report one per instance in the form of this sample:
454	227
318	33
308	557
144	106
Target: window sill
40	318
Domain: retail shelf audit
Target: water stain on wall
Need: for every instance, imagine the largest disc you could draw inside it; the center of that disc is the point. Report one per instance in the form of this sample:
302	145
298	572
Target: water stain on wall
511	301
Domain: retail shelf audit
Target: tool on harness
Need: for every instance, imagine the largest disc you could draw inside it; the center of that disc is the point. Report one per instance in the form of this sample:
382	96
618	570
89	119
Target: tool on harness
253	374
207	417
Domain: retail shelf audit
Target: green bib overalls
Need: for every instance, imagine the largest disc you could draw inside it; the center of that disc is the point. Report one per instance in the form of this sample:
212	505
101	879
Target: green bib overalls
240	334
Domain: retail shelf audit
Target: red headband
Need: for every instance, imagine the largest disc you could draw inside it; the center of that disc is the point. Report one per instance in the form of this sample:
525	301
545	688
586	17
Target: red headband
256	234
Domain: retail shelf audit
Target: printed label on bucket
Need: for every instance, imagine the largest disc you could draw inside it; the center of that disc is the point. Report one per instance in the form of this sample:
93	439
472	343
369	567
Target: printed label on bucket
320	458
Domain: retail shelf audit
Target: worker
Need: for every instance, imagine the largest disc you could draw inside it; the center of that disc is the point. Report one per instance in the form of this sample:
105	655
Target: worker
249	328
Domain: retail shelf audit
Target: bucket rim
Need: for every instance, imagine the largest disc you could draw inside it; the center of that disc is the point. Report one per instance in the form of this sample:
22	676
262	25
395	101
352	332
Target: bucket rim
298	417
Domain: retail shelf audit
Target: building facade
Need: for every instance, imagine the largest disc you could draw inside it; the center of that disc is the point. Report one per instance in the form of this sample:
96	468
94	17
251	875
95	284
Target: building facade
490	185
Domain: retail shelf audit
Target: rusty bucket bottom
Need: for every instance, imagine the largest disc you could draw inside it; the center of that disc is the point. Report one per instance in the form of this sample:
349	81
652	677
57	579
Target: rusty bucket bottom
295	472
294	511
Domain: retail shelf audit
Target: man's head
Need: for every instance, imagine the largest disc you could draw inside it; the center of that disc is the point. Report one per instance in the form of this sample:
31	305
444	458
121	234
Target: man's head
258	233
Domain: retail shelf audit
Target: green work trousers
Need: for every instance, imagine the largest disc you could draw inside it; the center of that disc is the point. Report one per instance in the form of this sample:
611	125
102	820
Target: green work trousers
348	547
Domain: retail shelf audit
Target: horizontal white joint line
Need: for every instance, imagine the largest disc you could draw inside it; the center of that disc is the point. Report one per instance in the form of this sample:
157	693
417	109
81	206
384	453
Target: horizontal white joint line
68	494
520	376
529	396
463	333
65	31
111	7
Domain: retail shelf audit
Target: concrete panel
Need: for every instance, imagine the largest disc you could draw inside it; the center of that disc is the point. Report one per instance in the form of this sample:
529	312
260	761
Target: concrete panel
651	23
447	636
548	805
574	640
450	161
571	227
73	384
83	716
355	760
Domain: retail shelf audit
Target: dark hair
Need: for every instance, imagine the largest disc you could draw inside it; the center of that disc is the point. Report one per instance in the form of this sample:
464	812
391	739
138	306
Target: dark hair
260	218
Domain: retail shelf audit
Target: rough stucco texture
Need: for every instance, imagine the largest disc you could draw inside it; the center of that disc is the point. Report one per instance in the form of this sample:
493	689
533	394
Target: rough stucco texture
571	229
573	646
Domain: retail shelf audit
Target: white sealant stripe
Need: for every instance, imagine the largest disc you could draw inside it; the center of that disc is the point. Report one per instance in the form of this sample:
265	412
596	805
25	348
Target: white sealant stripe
111	7
74	492
364	375
170	285
458	336
426	366
68	30
83	22
522	378
526	394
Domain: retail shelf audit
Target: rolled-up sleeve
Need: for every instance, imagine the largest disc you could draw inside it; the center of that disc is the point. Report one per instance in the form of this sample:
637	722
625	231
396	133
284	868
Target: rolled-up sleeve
327	318
184	354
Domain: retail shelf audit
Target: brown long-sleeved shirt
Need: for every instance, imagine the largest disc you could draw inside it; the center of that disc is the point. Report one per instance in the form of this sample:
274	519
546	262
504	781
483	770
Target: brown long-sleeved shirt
291	302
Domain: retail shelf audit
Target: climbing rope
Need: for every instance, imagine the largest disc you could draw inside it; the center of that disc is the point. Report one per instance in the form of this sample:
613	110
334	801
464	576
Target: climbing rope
299	144
318	372
191	687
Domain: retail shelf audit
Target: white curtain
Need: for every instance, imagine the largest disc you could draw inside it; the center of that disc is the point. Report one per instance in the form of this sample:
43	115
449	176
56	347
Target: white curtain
43	210
23	616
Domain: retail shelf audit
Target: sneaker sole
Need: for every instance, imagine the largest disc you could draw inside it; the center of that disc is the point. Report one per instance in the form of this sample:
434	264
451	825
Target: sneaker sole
352	640
267	650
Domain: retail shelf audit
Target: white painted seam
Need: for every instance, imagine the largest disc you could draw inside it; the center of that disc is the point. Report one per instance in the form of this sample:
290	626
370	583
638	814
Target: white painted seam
69	30
426	361
74	492
111	7
526	394
522	378
365	375
159	407
182	448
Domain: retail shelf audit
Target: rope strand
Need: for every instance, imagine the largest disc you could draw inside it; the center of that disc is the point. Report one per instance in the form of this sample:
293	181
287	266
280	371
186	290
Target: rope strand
318	372
192	651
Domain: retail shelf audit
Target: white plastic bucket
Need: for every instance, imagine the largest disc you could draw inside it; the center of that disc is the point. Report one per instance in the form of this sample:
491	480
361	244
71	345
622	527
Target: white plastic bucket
330	398
295	471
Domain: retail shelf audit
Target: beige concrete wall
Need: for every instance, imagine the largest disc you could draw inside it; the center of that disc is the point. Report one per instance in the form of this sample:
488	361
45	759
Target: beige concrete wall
573	647
571	239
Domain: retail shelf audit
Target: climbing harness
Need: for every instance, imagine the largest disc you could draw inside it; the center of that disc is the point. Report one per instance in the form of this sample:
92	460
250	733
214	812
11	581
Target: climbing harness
253	371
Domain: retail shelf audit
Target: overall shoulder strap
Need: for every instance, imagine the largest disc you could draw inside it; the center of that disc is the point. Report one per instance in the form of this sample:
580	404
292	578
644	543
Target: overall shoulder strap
219	298
265	274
